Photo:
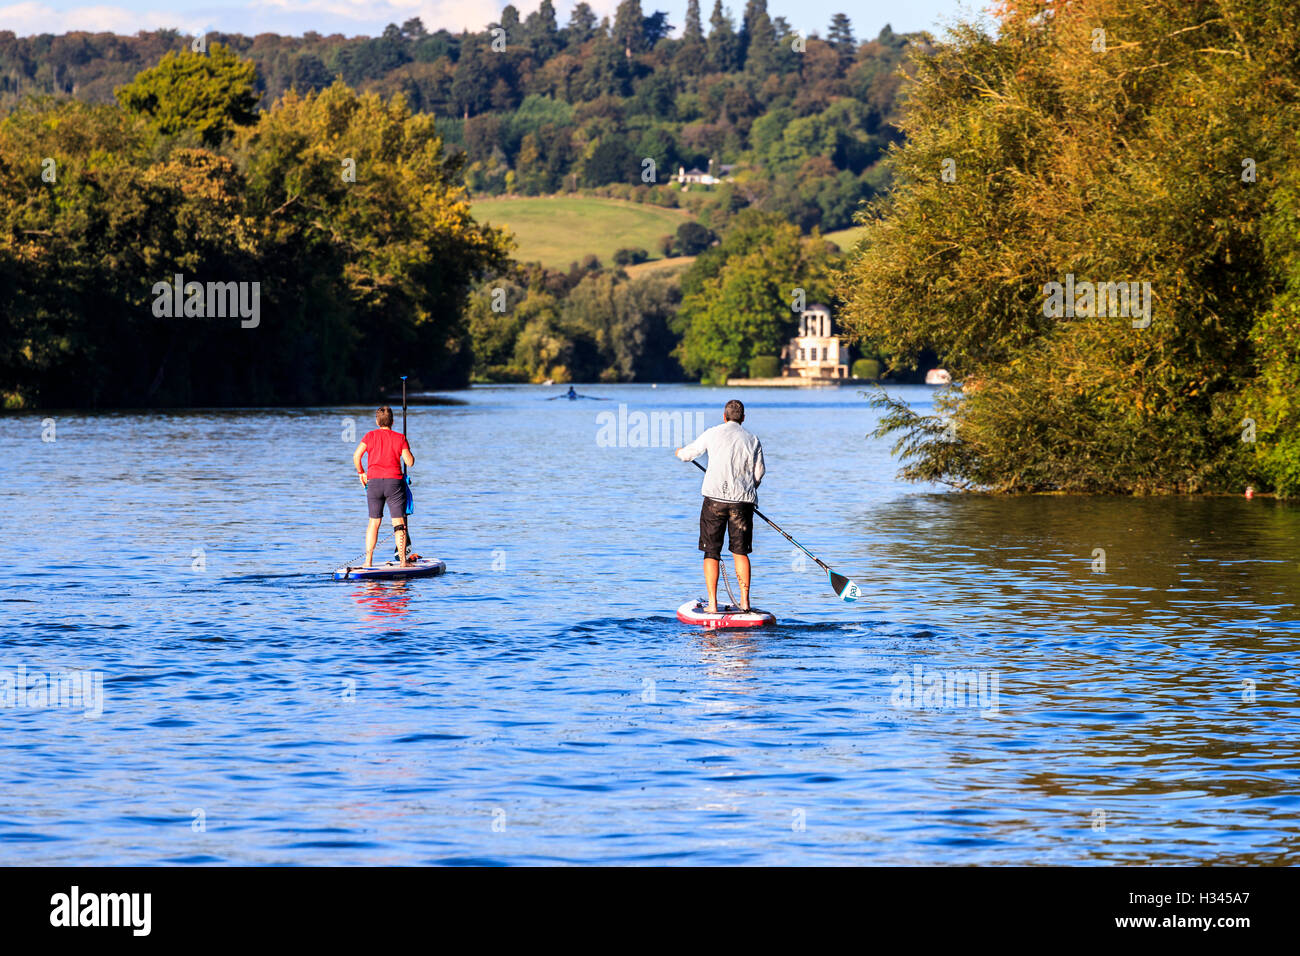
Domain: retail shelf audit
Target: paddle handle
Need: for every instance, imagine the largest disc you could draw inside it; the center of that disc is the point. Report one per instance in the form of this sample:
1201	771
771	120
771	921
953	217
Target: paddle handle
778	529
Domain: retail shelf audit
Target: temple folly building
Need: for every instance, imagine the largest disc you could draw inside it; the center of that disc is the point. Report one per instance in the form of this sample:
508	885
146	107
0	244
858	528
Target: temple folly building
815	352
813	357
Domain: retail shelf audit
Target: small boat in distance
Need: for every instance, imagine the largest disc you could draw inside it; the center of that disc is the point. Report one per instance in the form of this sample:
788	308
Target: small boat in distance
573	395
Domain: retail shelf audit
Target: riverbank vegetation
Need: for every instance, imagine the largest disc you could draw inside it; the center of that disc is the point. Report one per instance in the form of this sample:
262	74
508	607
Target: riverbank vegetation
1117	141
331	179
338	219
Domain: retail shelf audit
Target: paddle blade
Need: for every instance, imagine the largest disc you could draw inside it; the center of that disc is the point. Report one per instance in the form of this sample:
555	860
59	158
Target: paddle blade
410	497
845	589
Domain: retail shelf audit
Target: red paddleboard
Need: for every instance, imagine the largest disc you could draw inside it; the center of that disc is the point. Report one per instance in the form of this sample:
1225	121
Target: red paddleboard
727	615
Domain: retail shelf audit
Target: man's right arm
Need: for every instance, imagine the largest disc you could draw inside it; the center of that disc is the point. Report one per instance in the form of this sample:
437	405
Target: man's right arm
695	449
356	461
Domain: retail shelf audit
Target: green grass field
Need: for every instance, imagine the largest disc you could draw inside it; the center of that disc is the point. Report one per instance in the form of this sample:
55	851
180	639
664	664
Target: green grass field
846	239
562	229
675	264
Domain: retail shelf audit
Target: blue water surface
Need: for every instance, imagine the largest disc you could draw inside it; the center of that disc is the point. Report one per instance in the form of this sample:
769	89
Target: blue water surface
540	703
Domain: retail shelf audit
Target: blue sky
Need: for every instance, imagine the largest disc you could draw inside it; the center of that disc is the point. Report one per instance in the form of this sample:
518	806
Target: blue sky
353	17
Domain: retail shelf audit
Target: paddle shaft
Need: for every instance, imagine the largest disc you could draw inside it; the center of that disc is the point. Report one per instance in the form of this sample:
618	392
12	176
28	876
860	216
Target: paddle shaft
404	435
406	522
779	530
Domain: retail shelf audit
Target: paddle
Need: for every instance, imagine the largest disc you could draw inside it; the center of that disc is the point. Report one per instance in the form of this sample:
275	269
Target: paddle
844	589
410	496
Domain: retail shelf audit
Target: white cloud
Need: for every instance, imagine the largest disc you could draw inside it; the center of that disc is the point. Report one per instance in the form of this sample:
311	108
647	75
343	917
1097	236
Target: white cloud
284	16
452	14
26	19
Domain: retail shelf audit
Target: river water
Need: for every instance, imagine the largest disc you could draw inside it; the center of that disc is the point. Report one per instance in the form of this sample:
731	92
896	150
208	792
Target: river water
1037	680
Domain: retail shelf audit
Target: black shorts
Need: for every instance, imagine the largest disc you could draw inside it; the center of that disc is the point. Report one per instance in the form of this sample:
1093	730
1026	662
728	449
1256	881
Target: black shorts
392	490
738	519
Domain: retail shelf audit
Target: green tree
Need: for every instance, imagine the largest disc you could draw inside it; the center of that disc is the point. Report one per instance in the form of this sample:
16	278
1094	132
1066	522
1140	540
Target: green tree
542	31
582	24
1033	159
724	45
692	239
693	31
757	39
737	298
629	27
611	160
211	94
840	36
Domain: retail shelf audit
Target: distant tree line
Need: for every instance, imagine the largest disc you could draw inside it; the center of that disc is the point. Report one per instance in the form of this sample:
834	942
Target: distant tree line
588	324
539	107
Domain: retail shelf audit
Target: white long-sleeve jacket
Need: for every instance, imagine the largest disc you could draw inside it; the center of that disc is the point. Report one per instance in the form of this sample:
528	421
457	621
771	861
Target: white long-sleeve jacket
735	467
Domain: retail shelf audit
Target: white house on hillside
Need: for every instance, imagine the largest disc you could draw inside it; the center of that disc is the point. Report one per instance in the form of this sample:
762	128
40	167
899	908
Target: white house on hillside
699	177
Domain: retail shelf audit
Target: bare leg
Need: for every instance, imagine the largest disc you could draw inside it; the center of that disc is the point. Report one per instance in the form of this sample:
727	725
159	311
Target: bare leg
742	575
372	536
711	582
400	527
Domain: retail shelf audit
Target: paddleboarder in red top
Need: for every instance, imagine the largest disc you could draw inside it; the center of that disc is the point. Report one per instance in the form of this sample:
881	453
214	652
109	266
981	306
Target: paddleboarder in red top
383	480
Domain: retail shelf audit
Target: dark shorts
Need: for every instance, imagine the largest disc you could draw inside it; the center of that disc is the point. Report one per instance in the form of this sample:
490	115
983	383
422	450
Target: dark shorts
737	517
392	490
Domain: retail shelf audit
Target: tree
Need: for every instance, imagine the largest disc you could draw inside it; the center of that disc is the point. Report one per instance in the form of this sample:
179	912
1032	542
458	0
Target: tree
605	71
211	94
309	74
724	46
629	27
476	74
582	24
840	36
542	32
693	31
628	322
611	160
510	23
737	297
659	144
358	280
655	28
692	56
1037	133
758	39
692	239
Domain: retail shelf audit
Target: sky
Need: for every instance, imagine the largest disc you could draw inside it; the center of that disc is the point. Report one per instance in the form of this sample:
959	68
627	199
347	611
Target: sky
369	17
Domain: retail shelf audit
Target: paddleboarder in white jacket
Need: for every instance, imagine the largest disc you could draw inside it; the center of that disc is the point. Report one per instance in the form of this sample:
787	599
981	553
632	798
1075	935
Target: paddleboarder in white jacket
730	490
